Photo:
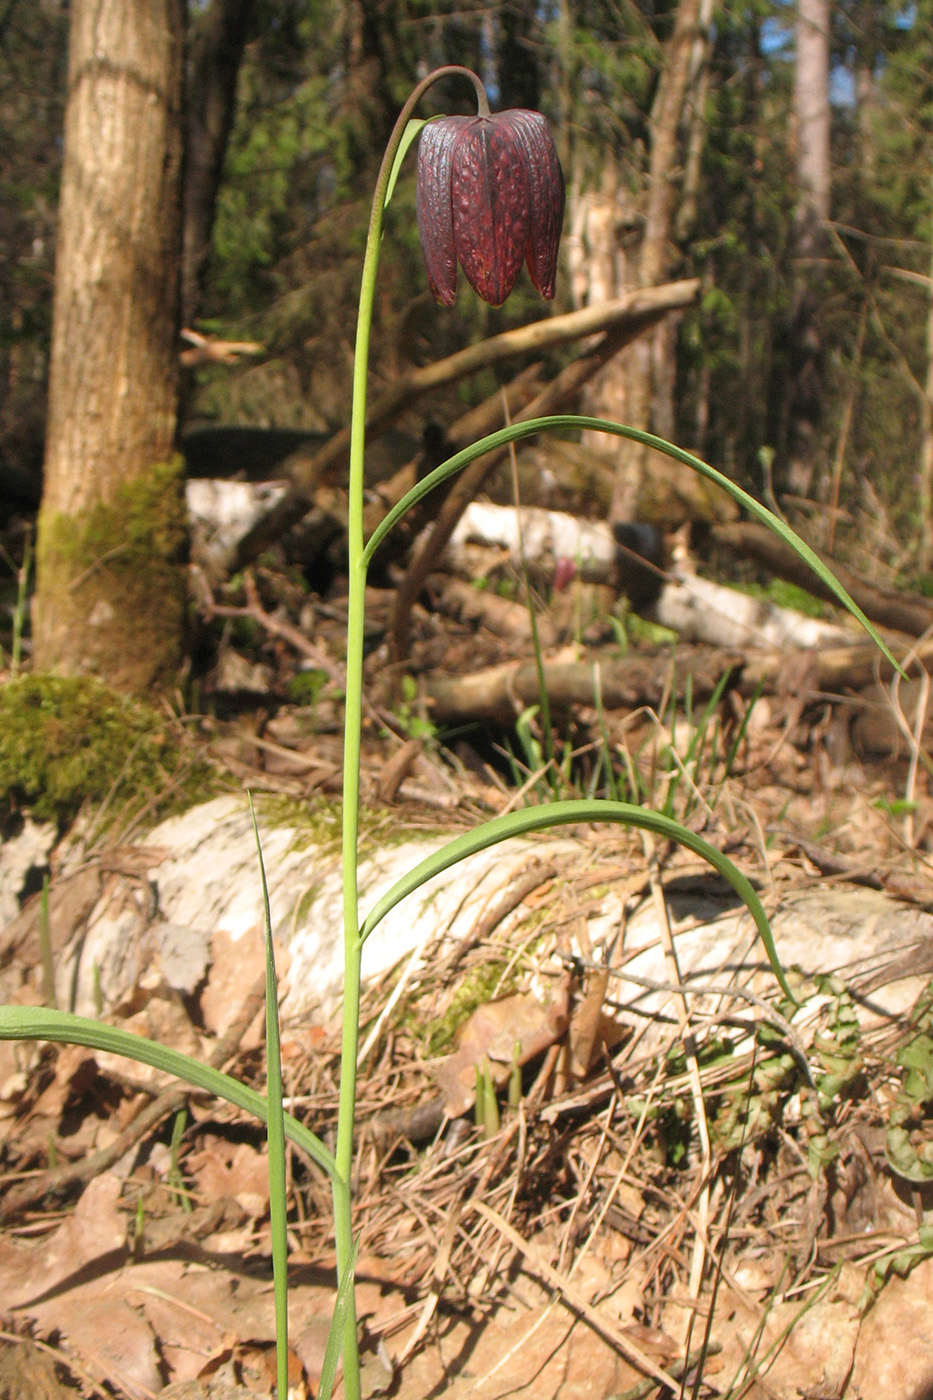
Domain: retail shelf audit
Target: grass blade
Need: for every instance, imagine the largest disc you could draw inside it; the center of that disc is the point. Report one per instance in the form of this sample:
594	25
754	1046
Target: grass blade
275	1135
42	1023
337	1325
572	813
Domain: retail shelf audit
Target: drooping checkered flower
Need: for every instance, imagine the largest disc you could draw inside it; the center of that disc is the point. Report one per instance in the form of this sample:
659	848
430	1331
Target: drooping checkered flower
490	196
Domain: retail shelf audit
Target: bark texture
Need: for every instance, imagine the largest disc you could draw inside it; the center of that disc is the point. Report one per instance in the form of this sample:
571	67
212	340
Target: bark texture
110	592
216	53
619	238
812	123
811	106
648	356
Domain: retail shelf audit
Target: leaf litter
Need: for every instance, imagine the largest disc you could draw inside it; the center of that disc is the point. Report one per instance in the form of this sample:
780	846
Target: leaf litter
585	1244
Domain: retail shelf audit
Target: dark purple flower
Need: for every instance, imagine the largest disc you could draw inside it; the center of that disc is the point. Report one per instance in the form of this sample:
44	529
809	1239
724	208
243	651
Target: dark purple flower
490	197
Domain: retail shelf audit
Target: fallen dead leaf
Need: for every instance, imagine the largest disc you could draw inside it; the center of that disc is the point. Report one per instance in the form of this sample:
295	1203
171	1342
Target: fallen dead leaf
94	1234
29	1373
493	1032
894	1355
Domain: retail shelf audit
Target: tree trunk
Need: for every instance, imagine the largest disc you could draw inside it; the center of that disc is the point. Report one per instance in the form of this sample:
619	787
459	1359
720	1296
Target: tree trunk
601	270
925	546
657	253
110	592
216	52
606	256
811	110
812	125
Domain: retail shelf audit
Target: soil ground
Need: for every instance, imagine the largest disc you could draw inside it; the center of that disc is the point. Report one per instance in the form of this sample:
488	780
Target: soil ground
724	1216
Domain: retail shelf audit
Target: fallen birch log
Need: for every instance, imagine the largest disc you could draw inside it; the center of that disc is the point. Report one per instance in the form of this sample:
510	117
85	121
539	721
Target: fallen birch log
203	928
702	611
696	608
889	607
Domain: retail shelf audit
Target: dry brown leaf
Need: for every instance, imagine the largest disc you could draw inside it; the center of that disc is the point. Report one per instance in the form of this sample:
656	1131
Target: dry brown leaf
70	902
815	1356
74	1068
492	1033
94	1232
585	1023
28	1373
221	1169
894	1355
109	1337
163	1019
235	965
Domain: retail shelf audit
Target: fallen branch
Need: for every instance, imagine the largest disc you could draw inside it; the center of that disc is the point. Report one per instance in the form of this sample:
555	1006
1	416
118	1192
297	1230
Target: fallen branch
498	694
632	313
207	349
563	388
904	612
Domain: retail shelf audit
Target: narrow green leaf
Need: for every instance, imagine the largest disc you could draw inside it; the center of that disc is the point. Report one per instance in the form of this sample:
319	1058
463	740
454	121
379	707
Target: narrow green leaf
275	1135
572	813
336	1330
567	421
41	1023
412	130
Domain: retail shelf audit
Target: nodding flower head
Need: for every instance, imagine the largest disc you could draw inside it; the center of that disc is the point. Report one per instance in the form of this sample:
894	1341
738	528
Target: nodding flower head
490	196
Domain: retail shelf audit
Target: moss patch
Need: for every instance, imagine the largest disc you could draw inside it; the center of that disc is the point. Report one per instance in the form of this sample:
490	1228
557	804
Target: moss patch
66	740
111	590
145	521
318	823
483	983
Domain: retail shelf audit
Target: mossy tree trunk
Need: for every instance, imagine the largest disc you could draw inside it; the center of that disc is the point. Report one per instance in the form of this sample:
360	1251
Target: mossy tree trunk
110	594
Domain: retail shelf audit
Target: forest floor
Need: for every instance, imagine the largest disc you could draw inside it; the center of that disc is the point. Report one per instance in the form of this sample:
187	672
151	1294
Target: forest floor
720	1211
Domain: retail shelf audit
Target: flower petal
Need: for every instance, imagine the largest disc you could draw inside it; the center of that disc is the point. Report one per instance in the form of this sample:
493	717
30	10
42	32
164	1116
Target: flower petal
530	132
433	206
490	198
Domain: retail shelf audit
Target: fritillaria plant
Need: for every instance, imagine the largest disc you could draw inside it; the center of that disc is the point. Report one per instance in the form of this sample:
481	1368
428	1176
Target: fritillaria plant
490	198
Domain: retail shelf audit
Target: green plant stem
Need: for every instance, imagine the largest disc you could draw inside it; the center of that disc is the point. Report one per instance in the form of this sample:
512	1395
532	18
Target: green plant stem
353	943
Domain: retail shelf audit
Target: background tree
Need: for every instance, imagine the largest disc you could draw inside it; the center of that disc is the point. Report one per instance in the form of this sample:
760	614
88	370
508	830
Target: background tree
216	46
811	110
110	591
674	167
626	181
33	61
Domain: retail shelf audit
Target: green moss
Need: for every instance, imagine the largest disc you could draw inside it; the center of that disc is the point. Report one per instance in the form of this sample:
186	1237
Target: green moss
478	987
786	595
144	521
67	740
111	592
316	821
305	687
642	632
